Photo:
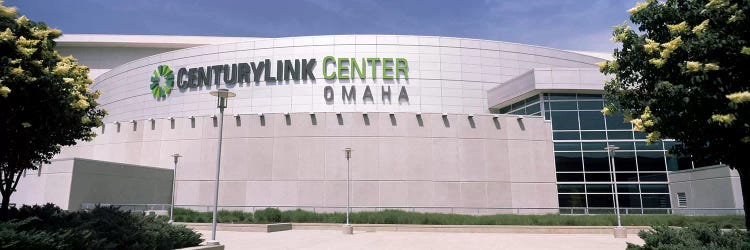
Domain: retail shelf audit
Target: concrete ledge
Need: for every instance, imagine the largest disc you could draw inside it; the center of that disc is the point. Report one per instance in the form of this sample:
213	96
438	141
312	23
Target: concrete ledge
270	228
260	228
424	228
217	247
472	228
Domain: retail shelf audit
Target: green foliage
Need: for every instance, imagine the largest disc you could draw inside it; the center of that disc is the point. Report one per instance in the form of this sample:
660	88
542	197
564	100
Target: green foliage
686	64
49	227
45	100
683	75
696	237
272	215
268	215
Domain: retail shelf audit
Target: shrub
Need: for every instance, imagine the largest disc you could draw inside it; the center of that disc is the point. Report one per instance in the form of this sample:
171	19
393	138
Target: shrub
272	215
268	215
49	227
694	237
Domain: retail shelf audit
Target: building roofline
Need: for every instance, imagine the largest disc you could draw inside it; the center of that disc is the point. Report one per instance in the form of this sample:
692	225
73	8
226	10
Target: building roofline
144	41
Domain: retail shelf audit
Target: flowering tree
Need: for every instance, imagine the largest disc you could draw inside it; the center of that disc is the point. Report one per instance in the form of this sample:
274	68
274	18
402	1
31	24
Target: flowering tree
684	75
45	102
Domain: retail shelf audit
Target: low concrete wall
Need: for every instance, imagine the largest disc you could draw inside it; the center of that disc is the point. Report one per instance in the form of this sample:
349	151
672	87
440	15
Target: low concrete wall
72	181
261	228
705	188
218	247
427	228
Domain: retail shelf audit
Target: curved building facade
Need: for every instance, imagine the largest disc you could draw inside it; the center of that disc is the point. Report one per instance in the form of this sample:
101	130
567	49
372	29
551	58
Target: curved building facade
436	123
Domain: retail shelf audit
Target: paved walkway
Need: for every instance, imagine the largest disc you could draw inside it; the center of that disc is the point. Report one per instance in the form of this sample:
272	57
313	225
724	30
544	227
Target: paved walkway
328	239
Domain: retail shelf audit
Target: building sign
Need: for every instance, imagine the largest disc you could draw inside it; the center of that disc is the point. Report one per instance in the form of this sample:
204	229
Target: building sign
281	72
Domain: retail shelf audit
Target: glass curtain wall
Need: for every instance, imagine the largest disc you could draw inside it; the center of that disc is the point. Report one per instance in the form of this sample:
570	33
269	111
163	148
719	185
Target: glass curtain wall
580	134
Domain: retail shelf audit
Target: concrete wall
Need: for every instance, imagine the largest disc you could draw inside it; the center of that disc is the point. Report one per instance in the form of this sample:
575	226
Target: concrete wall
445	75
51	183
116	183
73	181
707	187
399	160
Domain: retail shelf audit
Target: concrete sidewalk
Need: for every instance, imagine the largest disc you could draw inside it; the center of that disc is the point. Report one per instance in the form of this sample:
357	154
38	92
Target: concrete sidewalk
328	239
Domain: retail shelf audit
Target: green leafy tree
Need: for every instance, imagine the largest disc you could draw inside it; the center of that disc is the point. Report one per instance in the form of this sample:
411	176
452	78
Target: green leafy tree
45	100
685	74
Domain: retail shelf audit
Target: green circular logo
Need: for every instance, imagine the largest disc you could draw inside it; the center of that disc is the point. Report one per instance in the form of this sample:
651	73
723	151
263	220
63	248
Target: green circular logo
156	89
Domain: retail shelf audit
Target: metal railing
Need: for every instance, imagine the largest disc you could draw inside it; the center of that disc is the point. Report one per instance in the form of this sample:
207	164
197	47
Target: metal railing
447	210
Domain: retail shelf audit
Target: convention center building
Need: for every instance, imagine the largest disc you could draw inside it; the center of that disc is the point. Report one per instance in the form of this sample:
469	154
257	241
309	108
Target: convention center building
435	124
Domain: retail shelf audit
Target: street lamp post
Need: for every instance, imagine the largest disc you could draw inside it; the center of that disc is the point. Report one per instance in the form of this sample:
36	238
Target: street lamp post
174	184
348	227
222	96
611	154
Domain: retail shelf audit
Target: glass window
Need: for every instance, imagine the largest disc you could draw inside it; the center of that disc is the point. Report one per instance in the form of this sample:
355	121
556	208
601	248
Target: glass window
591	105
600	200
562	96
627	188
654	188
564	120
570	188
596	161
598	177
640	135
531	109
629	177
591	120
642	145
653	177
616	121
572	200
566	136
593	135
624	161
599	188
651	161
567	146
675	163
568	161
504	110
620	135
569	177
517	105
546	115
589	96
623	146
555	106
534	98
629	200
594	146
656	201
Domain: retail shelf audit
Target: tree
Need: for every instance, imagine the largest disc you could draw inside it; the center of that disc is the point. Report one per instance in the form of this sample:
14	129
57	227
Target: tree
45	100
684	75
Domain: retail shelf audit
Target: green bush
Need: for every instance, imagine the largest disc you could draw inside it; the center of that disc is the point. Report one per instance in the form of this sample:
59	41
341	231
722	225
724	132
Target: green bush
272	215
49	227
268	215
693	237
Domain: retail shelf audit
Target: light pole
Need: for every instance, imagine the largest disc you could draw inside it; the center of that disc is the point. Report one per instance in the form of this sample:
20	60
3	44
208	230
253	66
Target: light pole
174	184
222	96
348	227
611	154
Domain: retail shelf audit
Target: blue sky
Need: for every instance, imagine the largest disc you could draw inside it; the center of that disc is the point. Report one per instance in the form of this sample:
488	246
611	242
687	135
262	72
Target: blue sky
564	24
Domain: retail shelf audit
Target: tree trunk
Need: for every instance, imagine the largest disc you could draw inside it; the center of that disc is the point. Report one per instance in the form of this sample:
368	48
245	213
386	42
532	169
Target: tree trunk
744	172
4	208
